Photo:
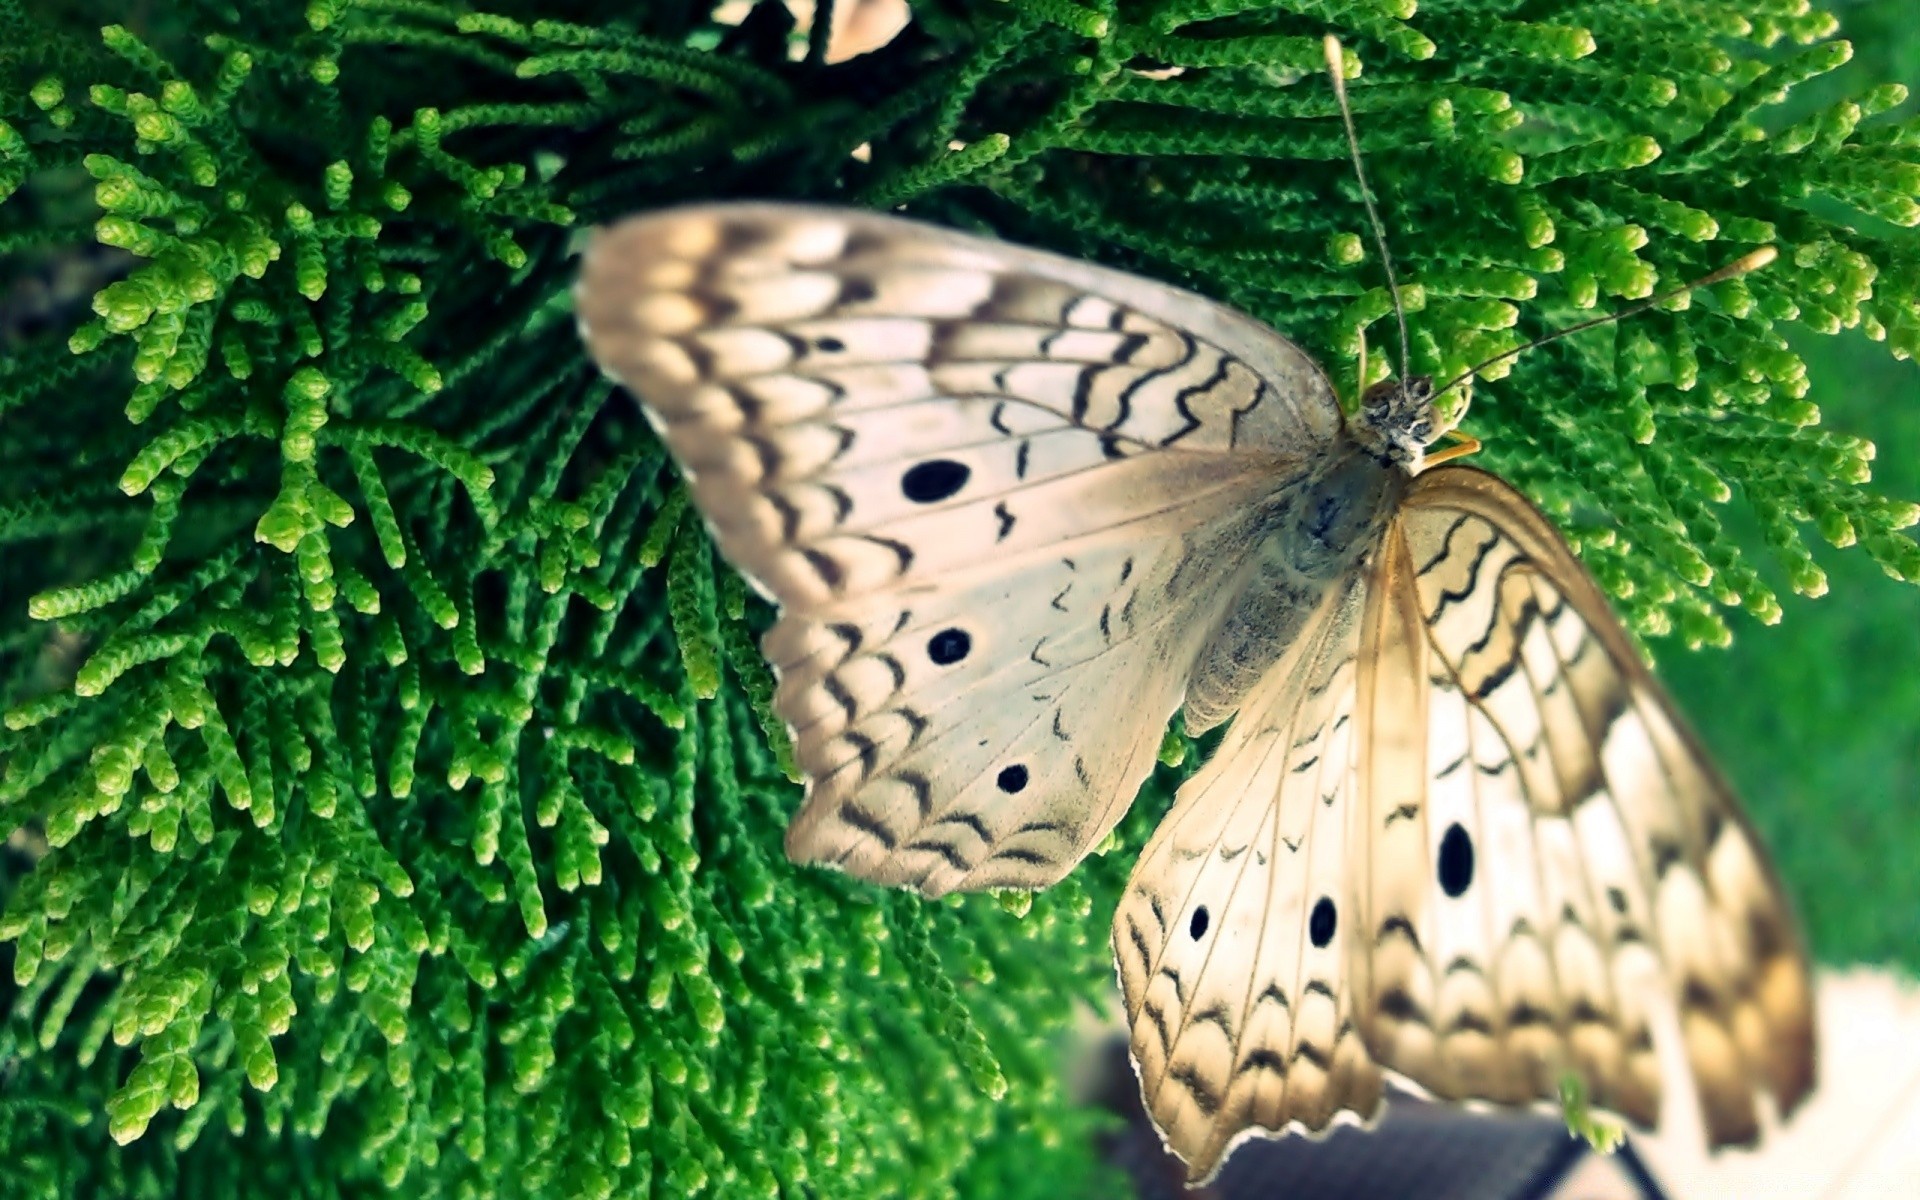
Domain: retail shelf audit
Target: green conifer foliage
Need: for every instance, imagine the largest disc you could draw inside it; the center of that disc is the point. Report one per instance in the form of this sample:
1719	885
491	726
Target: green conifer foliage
395	795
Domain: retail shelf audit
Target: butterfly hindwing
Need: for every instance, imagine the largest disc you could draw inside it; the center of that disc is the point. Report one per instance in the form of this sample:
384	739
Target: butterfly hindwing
1234	933
992	490
1551	858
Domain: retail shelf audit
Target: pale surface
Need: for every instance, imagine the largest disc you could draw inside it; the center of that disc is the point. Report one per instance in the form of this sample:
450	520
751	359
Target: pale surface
1857	1137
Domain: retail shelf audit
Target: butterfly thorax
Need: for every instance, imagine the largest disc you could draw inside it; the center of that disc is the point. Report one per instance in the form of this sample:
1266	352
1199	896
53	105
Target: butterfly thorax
1312	541
1309	542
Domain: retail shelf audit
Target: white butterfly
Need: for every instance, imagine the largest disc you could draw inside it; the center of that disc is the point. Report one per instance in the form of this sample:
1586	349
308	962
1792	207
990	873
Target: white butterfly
1018	509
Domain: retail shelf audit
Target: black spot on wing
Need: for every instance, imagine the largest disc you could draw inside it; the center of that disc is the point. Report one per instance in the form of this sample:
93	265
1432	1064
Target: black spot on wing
1197	927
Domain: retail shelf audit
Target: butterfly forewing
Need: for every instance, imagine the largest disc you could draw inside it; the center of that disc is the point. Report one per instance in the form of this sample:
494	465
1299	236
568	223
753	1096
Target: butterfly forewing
1550	856
1000	497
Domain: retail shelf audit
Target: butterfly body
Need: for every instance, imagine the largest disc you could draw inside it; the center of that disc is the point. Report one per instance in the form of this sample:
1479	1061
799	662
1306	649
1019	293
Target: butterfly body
1018	509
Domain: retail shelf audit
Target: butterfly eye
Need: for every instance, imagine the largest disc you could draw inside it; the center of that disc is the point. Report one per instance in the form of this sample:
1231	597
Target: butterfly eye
1012	779
1456	861
1197	927
949	646
933	481
1423	430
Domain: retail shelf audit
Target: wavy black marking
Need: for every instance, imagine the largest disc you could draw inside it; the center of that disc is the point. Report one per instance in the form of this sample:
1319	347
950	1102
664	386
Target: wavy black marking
1666	855
869	824
1262	1059
1196	1087
1318	987
1233	421
828	570
864	746
1187	393
1039	827
946	850
1058	730
1399	1004
848	633
1080	772
1082	394
1130	345
1124	400
901	550
1446	545
968	821
1139	943
1292	844
1487	686
1463	963
1214	1014
1034	654
1020	458
1106	629
1320	689
1273	994
789	515
1469	1022
1449	597
1159	1019
1000	408
1406	812
1397	926
894	668
1313	1054
1529	612
1126	569
1306	765
1227	855
1159	914
922	789
1523	1014
838	693
1058	597
1020	855
1006	521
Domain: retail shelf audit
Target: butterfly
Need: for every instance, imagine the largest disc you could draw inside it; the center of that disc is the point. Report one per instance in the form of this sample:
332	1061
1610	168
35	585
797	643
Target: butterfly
1017	509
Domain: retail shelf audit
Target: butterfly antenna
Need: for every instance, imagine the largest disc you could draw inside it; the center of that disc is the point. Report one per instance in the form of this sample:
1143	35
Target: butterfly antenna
1336	67
1740	266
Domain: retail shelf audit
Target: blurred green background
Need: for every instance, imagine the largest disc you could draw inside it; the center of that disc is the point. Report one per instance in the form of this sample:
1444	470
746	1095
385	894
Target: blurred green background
1817	721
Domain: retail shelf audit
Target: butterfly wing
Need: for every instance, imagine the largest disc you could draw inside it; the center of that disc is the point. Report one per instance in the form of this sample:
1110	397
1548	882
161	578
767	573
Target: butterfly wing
1233	937
1000	496
1552	861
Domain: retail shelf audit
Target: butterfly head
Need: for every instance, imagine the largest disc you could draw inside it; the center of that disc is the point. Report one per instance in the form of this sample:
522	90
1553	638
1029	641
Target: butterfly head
1400	418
